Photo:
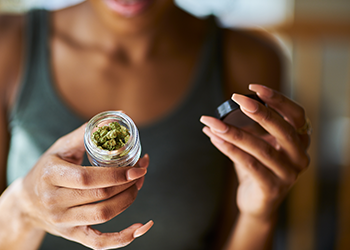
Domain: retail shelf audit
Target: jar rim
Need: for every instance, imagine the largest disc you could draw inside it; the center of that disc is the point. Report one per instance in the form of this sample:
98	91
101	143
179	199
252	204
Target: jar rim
106	155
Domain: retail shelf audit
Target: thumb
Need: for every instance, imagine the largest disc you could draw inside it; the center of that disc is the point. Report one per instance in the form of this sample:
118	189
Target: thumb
71	146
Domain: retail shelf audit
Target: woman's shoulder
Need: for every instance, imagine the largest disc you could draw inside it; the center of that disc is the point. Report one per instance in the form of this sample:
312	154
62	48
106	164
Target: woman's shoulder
258	39
11	48
10	21
11	32
252	56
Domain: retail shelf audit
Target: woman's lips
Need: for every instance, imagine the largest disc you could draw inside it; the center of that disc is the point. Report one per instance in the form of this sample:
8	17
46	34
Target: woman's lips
128	8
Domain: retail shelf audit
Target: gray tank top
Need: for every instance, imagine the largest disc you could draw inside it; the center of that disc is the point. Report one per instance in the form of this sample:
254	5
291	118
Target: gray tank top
183	188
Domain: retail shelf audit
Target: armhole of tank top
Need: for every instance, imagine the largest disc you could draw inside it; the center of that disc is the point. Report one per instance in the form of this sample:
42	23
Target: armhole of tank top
30	34
219	62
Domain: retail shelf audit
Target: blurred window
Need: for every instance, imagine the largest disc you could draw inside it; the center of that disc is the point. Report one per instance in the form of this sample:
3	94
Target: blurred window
243	13
234	13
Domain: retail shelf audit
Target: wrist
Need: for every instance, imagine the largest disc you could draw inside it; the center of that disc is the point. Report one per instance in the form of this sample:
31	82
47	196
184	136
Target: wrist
14	204
261	221
249	227
264	214
20	232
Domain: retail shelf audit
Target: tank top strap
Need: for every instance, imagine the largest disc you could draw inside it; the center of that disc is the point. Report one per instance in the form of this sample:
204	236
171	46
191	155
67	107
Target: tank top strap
209	74
211	58
218	63
36	50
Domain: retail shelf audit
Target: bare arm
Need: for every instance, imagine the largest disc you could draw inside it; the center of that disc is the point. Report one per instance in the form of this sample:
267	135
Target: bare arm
4	145
63	198
266	166
11	28
18	232
58	195
9	67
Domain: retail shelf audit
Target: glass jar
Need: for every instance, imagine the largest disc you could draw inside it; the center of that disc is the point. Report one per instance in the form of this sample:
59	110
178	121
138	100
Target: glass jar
127	155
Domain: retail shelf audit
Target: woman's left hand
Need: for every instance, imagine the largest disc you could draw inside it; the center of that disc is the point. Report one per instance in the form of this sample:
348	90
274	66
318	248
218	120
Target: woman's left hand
267	166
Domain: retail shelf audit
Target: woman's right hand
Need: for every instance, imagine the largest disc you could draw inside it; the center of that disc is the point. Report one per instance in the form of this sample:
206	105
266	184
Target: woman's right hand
64	198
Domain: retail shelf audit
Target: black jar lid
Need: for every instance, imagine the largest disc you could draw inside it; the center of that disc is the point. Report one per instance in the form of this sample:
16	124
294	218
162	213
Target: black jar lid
230	113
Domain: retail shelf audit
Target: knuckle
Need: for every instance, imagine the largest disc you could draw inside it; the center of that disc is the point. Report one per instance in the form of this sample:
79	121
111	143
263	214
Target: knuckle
48	200
101	193
279	99
47	171
124	239
291	135
252	163
103	214
267	151
237	135
46	175
83	178
267	116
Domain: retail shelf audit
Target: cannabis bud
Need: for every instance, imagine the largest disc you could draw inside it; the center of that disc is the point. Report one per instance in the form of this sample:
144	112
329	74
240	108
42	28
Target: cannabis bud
111	137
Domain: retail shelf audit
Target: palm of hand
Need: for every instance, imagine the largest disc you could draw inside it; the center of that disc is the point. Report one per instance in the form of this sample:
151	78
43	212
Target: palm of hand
250	196
255	199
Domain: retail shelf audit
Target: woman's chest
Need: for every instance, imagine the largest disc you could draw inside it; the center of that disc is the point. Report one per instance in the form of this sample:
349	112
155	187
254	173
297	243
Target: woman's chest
91	83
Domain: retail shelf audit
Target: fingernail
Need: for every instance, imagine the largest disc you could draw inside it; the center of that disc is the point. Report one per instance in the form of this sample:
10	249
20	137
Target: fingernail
246	103
214	124
143	162
135	173
261	90
213	137
142	230
221	131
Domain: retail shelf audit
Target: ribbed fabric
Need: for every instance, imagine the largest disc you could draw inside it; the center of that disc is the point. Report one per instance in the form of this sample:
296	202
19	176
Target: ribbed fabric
183	188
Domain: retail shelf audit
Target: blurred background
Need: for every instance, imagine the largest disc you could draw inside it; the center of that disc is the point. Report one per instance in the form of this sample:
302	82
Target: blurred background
315	37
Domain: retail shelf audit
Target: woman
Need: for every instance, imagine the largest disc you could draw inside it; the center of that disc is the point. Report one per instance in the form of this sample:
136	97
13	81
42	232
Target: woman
165	69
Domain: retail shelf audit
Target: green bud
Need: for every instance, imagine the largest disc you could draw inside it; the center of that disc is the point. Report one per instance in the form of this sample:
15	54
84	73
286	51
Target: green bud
111	137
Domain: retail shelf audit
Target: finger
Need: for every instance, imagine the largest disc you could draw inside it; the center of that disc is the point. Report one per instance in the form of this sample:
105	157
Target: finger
97	213
74	197
258	148
272	122
260	173
67	197
144	229
94	239
62	174
139	183
142	163
291	111
71	146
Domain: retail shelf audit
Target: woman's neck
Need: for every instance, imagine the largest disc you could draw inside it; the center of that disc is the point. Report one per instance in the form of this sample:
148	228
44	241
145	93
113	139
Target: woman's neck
136	39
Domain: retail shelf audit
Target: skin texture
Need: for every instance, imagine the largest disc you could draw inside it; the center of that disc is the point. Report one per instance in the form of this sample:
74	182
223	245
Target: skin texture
149	58
267	167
